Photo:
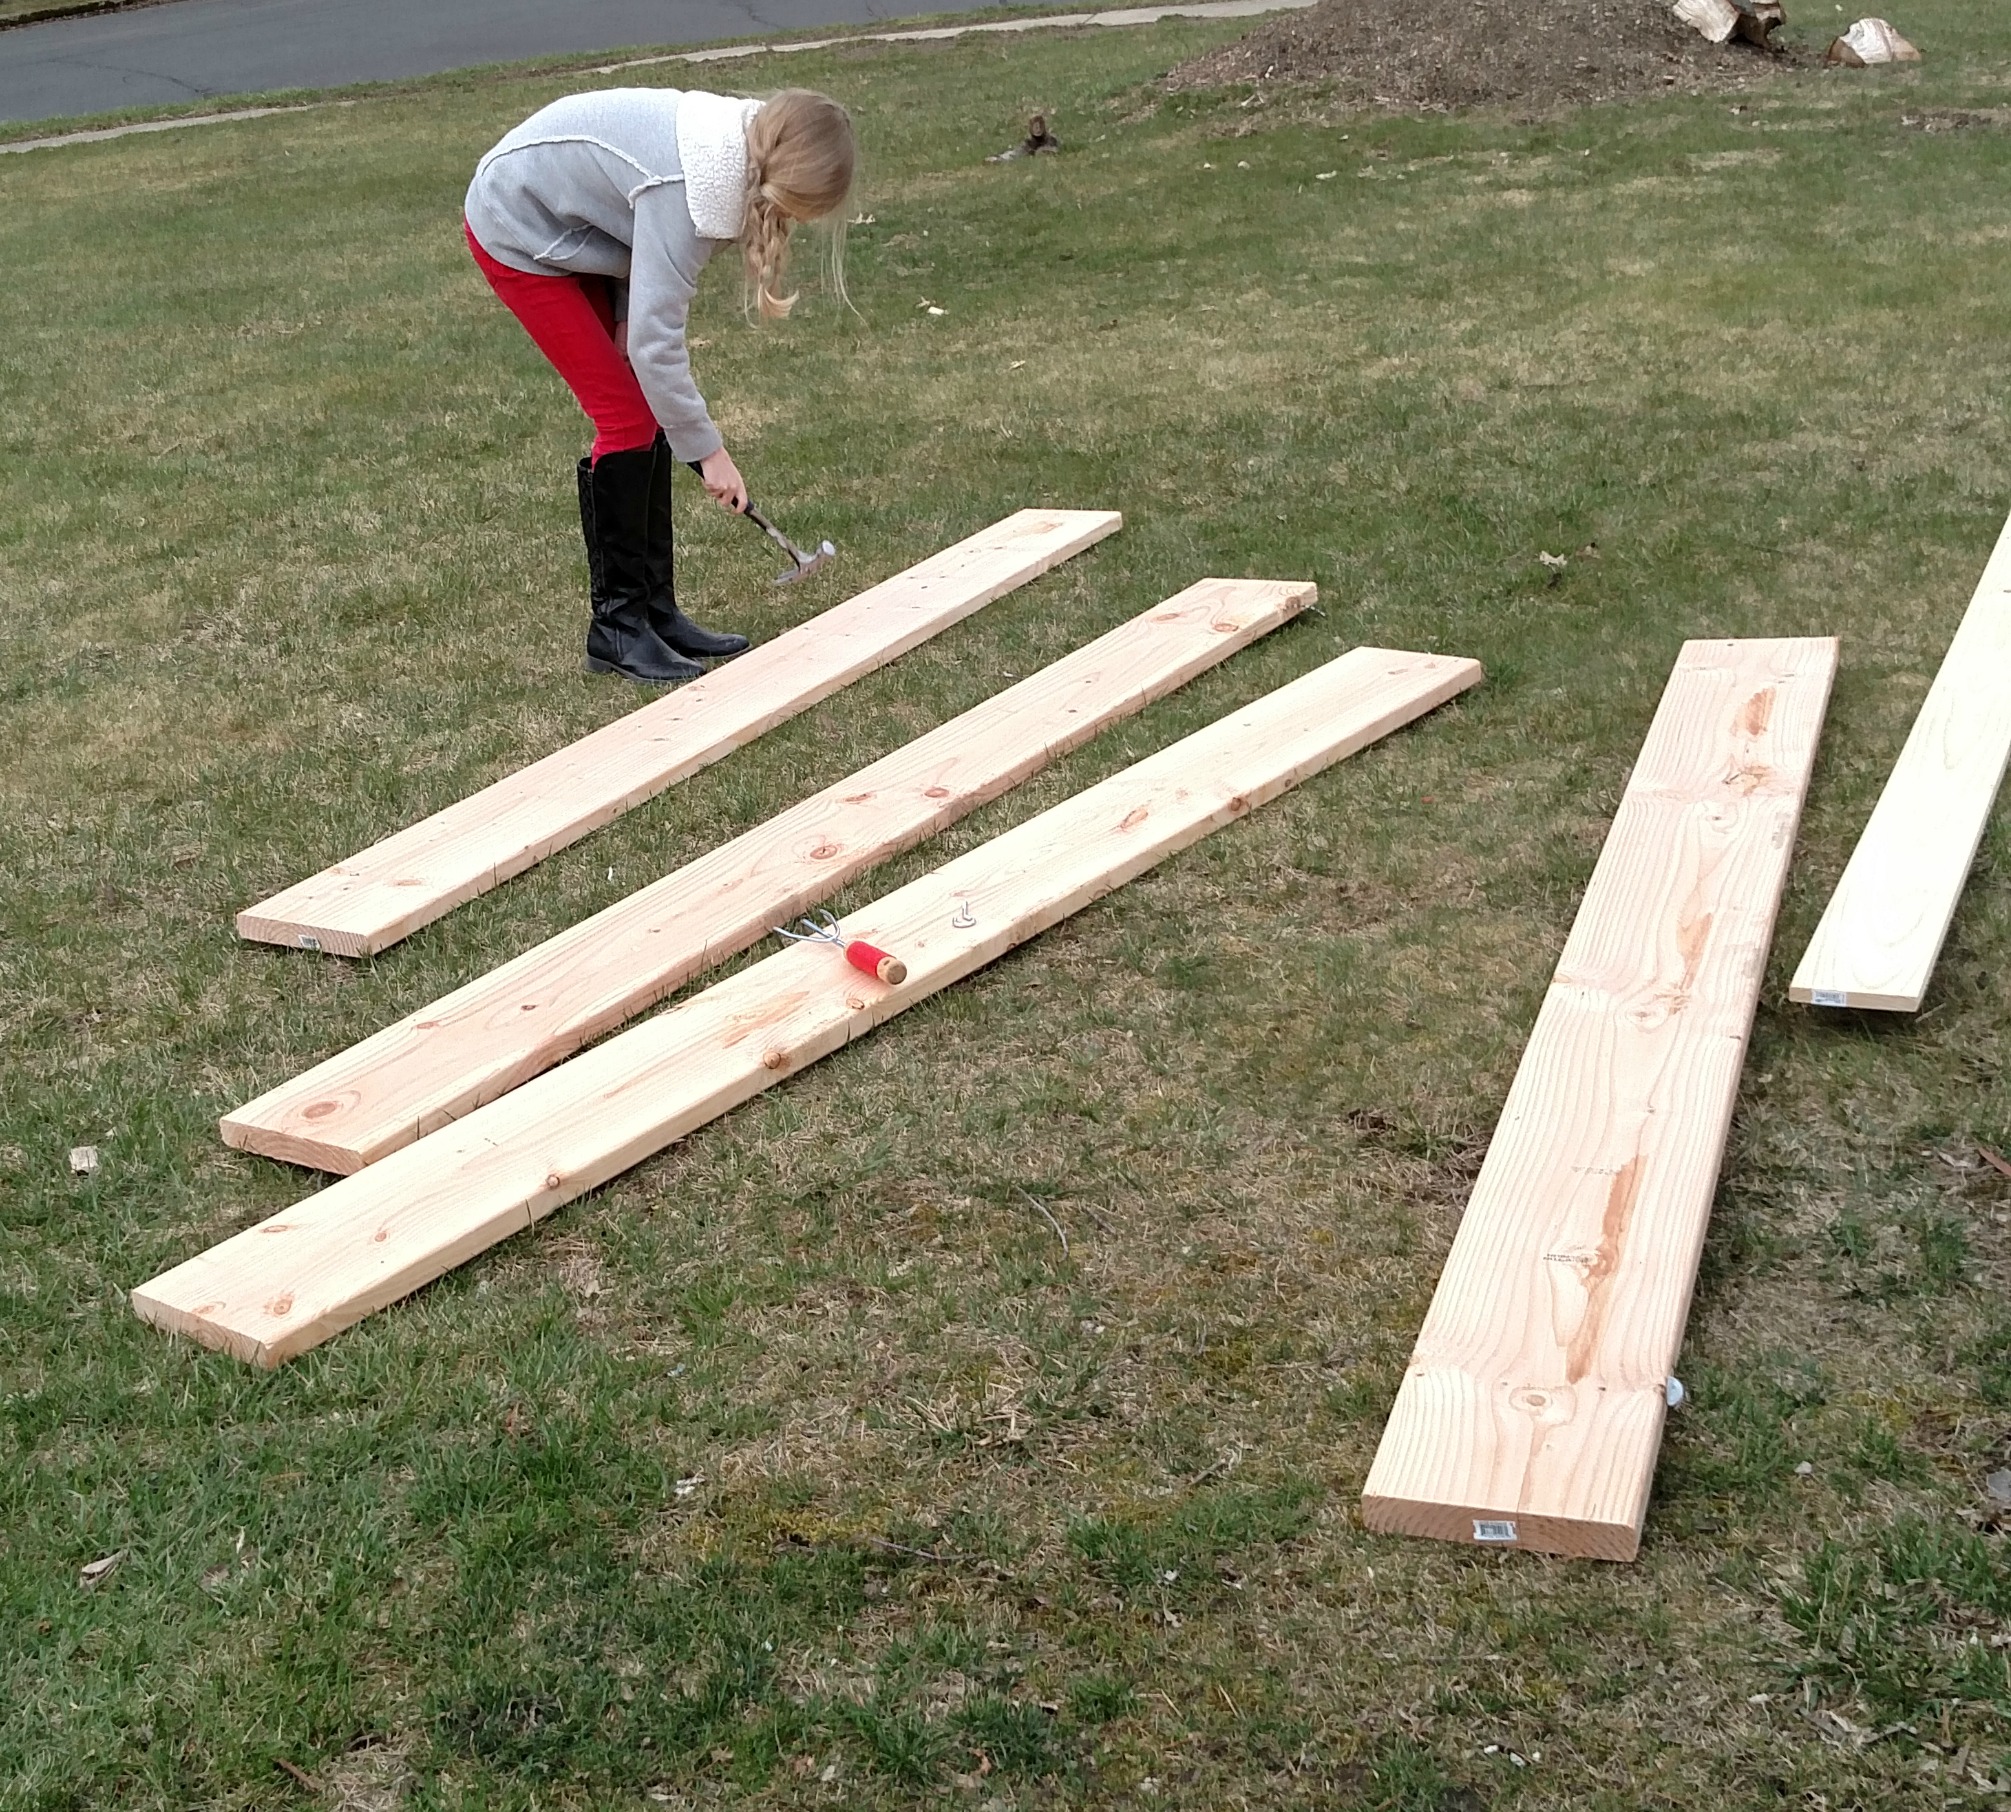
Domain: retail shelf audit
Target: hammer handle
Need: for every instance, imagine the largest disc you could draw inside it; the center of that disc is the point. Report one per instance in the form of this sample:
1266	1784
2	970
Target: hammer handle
761	522
699	471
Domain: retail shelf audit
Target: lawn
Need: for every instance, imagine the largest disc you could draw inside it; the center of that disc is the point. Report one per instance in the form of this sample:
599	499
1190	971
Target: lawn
803	1466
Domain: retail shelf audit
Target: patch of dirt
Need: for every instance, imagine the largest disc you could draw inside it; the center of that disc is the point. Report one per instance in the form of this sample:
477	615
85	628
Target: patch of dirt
1955	119
1439	55
579	1271
372	1777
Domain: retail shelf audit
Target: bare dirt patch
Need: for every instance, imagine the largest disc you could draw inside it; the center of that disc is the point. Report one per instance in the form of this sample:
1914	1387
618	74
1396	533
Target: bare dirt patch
1441	55
1958	119
372	1776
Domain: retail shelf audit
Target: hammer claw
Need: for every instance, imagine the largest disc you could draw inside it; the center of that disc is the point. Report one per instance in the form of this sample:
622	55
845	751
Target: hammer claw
807	564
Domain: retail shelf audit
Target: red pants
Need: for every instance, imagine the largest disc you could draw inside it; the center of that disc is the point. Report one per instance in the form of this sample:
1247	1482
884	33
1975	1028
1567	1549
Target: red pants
571	321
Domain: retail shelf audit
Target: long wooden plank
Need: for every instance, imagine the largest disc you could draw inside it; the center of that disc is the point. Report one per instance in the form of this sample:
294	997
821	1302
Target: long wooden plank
506	1026
292	1281
1531	1413
1882	931
391	889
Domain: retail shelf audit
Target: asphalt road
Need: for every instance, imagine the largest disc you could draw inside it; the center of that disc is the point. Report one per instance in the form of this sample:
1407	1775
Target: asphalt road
199	50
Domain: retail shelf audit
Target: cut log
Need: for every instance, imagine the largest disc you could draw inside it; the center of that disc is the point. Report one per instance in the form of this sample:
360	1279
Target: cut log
1868	42
1715	19
1882	931
507	1026
1759	20
290	1282
1755	21
391	889
1531	1412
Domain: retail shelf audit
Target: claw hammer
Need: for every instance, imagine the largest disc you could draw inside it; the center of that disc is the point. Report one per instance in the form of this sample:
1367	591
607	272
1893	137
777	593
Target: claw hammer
805	563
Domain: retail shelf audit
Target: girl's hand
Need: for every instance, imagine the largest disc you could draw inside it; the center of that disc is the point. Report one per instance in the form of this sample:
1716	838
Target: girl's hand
723	482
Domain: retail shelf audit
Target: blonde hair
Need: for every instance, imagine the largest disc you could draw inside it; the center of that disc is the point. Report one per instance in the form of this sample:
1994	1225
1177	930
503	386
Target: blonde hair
800	156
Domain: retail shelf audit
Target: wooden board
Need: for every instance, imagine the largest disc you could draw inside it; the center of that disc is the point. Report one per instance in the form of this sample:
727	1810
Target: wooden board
1532	1409
290	1282
369	902
1882	931
507	1026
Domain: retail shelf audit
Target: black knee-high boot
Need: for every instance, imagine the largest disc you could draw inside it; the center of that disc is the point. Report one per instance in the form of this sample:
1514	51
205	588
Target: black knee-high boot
677	630
615	522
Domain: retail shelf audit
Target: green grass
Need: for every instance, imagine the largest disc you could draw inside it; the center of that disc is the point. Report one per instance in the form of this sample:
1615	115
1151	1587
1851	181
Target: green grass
800	1466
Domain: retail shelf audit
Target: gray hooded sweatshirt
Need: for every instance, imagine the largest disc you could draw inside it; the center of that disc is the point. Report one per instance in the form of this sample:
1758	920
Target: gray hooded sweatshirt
593	185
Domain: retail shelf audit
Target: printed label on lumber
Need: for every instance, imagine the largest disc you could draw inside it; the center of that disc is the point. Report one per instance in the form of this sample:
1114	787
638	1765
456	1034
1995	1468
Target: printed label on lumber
290	1282
507	1026
387	892
1532	1409
1882	931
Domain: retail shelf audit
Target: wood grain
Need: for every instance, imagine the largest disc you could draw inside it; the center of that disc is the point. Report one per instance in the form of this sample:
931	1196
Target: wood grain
290	1282
1531	1412
1882	931
388	891
507	1026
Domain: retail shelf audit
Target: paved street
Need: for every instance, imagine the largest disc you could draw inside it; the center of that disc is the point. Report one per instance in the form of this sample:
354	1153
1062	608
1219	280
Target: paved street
194	50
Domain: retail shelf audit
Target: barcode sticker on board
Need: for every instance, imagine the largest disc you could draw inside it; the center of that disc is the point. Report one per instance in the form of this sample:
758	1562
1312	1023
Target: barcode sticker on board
1487	1531
1828	997
309	943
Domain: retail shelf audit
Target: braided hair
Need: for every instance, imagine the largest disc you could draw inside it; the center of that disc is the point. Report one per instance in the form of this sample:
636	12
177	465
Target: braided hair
801	152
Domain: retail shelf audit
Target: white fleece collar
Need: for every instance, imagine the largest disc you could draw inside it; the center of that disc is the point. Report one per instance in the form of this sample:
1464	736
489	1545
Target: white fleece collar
712	146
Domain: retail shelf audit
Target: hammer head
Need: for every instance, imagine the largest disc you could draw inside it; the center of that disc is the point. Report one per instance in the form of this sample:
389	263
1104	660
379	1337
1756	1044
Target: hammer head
807	564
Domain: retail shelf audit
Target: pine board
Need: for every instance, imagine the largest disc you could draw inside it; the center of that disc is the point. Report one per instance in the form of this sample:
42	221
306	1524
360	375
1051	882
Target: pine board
1531	1412
1882	931
291	1282
391	889
505	1027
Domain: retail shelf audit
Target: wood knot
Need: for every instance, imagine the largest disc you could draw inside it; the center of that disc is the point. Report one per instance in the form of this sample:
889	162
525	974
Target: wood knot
774	1060
935	792
320	1110
823	852
553	1180
280	1305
